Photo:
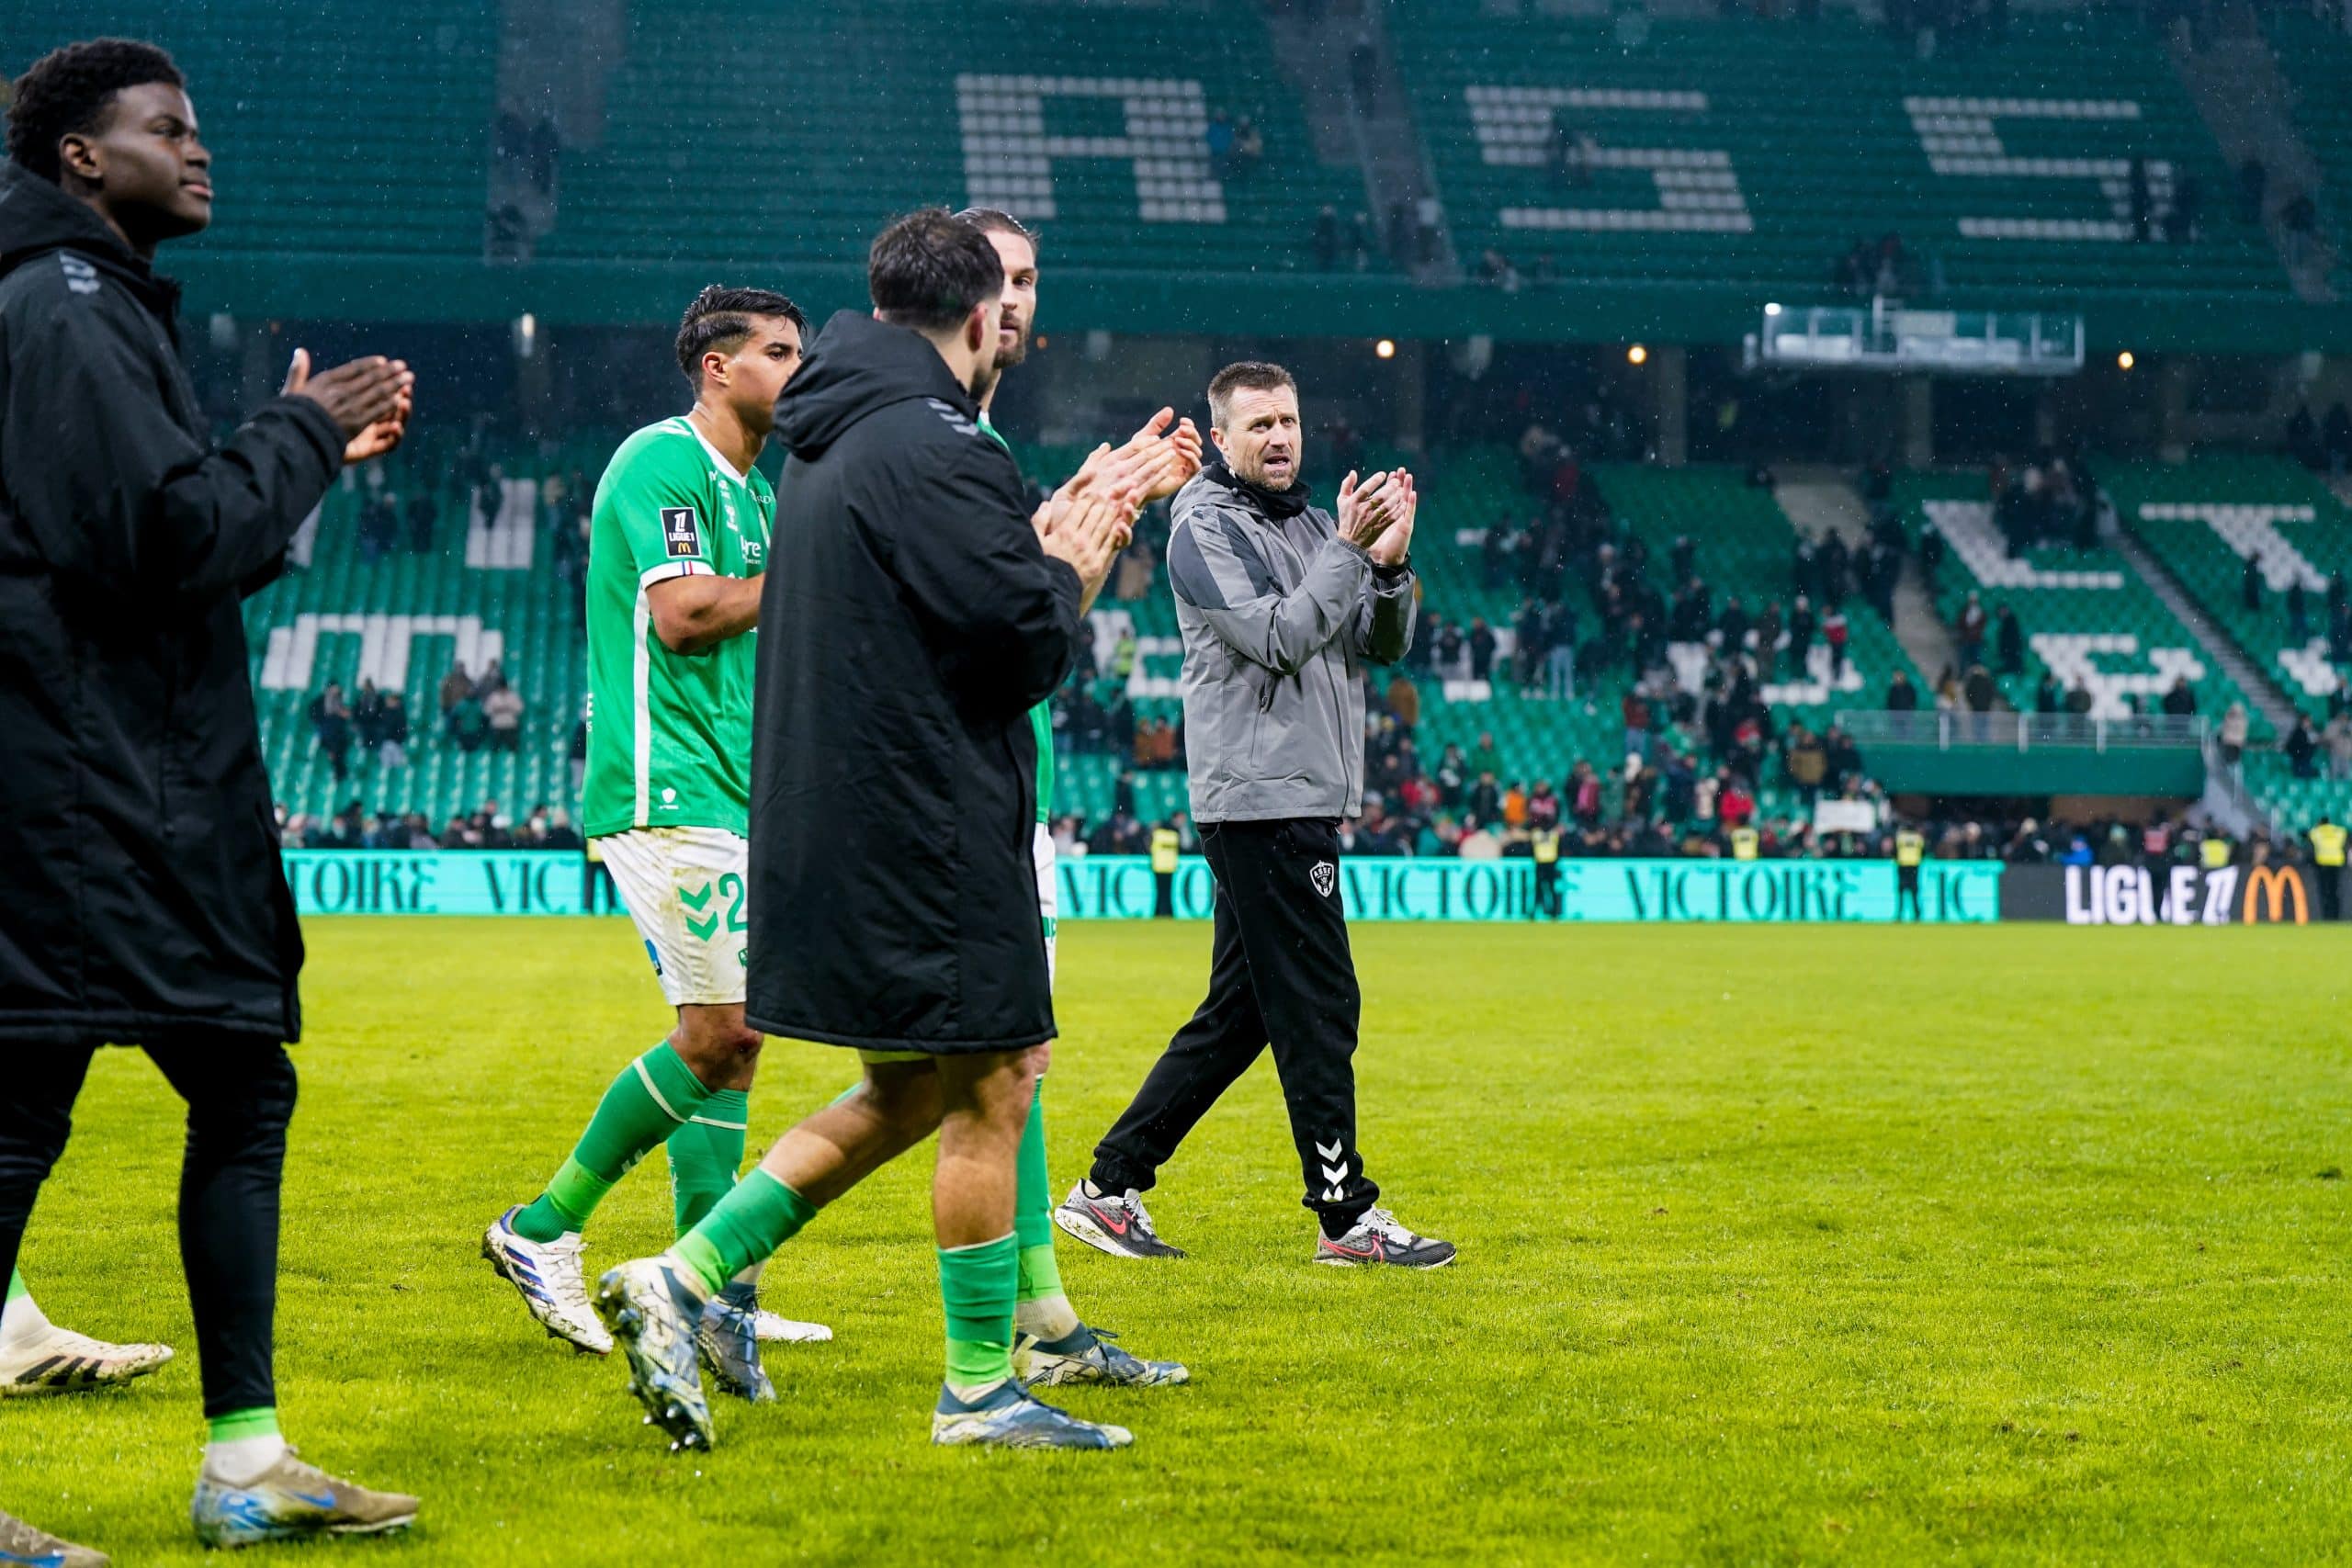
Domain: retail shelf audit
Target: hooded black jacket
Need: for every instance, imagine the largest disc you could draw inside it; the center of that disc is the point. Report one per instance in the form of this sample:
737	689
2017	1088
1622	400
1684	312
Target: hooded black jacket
142	895
908	623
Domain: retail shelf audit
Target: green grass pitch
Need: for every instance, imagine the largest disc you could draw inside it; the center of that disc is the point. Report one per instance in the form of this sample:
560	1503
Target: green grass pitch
1879	1246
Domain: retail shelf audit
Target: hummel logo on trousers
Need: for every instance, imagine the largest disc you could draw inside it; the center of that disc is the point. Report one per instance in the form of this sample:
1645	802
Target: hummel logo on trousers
1281	973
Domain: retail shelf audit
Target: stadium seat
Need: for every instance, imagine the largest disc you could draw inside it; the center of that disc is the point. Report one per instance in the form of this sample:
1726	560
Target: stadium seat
1756	151
332	126
2085	613
1089	122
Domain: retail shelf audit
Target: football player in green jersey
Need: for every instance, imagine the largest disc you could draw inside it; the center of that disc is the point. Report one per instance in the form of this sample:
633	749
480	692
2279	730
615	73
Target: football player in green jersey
831	1150
677	550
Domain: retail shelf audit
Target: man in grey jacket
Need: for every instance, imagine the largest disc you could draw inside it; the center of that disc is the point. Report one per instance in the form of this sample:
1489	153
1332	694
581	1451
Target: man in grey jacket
1282	606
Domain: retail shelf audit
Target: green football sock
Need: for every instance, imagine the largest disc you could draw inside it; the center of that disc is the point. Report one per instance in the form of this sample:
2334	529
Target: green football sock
705	1154
1042	1308
1032	1192
261	1421
976	1285
758	1215
654	1095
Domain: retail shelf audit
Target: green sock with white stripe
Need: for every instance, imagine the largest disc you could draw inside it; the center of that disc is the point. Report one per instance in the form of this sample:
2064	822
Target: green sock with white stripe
705	1154
655	1095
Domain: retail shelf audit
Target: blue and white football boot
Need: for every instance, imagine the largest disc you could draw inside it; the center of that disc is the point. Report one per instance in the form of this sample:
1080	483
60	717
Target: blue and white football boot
729	1339
1088	1356
549	1276
1007	1418
656	1318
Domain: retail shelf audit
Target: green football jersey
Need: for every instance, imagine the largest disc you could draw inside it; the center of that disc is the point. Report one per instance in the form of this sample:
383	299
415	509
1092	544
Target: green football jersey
669	734
1041	717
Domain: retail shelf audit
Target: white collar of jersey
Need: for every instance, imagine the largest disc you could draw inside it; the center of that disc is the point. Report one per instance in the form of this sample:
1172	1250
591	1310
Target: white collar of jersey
716	455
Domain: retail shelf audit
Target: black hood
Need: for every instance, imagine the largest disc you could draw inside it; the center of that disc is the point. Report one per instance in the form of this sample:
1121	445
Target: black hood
859	365
37	218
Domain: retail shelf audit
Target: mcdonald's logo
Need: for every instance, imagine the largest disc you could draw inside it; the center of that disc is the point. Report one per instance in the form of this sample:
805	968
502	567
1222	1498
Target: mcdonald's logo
2274	887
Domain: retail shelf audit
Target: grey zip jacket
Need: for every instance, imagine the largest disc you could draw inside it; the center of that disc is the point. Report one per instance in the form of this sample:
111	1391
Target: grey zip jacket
1280	616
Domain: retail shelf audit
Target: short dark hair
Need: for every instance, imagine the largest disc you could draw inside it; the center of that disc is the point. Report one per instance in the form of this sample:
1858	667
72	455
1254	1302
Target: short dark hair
930	269
721	317
68	91
996	220
1248	375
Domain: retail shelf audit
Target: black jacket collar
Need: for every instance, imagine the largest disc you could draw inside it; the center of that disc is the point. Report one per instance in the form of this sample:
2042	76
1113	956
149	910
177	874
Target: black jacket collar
37	219
1278	504
860	365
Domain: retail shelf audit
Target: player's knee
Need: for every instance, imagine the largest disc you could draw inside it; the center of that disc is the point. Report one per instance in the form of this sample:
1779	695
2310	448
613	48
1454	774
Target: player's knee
906	1103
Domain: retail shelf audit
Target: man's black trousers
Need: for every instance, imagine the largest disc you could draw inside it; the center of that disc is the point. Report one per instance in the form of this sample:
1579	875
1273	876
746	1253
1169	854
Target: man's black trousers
1281	973
2331	891
1906	891
240	1094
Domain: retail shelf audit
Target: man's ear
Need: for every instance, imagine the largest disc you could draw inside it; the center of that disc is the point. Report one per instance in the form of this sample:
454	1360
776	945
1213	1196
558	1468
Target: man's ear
979	327
1218	436
78	156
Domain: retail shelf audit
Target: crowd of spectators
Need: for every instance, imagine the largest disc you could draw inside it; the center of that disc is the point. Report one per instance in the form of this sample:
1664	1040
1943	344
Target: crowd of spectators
488	828
475	713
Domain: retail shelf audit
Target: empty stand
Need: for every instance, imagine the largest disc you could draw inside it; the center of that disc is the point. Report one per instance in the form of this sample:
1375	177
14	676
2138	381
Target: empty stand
1091	121
1758	152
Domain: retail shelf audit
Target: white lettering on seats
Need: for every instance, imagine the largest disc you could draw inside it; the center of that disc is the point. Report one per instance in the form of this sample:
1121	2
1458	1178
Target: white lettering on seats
1698	190
1009	159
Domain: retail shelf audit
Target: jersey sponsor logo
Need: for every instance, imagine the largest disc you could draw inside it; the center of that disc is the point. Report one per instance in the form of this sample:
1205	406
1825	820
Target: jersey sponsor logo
1325	875
681	532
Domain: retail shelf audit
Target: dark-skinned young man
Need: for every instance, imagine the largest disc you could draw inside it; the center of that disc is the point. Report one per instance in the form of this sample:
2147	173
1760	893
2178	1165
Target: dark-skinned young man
144	903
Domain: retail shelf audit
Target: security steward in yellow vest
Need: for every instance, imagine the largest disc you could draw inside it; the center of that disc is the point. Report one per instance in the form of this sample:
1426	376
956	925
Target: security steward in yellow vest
1743	843
1544	845
1910	850
2328	867
2213	850
1166	845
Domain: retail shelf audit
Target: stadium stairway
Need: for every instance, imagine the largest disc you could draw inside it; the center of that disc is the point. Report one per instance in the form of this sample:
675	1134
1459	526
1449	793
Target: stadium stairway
2317	61
2242	671
2086	614
2203	519
2242	91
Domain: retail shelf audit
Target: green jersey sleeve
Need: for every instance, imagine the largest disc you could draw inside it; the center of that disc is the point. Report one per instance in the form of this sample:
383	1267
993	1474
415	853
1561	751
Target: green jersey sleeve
659	499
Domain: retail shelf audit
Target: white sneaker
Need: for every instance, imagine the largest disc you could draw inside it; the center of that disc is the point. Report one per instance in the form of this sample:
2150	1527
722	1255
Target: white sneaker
549	1276
774	1328
50	1359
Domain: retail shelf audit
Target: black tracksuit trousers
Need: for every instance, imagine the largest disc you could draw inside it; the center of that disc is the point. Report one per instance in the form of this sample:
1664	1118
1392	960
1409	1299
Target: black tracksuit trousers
240	1094
1280	972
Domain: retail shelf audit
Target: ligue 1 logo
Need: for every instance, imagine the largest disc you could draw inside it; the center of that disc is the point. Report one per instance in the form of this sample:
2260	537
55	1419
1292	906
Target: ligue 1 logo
680	533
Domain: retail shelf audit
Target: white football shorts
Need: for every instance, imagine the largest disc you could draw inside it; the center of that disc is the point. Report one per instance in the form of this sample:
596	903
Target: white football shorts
684	889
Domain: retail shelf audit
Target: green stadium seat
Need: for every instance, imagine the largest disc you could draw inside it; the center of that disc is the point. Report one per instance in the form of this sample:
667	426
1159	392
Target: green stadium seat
1756	153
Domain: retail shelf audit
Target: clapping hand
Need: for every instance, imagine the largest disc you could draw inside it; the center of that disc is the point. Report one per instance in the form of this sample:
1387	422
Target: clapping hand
370	399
